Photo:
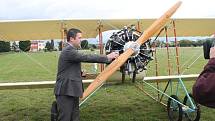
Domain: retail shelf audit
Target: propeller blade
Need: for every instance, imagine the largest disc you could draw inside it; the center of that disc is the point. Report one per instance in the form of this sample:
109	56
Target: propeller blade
110	69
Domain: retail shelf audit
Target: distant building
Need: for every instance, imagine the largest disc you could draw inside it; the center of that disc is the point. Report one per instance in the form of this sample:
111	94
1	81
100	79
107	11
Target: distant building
37	45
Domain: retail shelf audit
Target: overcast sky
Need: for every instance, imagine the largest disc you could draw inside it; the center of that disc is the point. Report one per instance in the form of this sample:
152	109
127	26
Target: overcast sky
102	9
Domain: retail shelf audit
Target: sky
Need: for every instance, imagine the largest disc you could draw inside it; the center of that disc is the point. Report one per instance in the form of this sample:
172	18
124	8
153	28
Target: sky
102	9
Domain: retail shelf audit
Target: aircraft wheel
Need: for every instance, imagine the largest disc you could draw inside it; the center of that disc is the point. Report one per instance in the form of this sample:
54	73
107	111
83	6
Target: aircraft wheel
123	75
133	77
174	109
192	116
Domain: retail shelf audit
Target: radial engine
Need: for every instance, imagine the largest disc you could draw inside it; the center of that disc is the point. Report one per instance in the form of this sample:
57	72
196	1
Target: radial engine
126	38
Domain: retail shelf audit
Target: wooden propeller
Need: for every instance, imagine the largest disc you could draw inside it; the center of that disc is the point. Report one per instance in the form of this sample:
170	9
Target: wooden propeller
110	69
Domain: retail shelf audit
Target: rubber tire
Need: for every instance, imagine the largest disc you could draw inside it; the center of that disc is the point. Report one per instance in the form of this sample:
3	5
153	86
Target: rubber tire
197	118
180	112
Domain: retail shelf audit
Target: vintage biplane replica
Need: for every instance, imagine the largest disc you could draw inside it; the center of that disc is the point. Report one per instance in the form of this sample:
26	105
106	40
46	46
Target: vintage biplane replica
136	48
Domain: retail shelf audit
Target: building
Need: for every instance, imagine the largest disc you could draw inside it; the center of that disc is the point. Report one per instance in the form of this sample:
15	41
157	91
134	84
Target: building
37	45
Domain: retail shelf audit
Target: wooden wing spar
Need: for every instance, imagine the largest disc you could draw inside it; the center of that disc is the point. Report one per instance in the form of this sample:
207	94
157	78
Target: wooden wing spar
110	69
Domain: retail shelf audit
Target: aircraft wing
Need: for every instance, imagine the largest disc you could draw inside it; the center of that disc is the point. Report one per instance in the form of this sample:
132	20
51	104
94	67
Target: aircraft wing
13	30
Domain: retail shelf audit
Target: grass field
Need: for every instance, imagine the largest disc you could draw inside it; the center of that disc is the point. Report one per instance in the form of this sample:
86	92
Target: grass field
119	102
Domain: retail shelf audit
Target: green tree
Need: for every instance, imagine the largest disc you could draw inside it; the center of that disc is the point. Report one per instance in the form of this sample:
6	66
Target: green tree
25	45
94	46
171	44
84	44
48	46
4	46
185	43
199	42
194	43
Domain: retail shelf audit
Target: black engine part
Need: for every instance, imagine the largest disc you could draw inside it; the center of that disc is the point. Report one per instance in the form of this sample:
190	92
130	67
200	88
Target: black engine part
126	38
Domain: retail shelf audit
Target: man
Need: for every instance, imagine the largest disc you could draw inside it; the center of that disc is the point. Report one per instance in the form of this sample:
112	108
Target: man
204	88
69	86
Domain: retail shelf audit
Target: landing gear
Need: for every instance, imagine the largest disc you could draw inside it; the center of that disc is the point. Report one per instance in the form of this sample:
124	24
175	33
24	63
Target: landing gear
176	110
132	75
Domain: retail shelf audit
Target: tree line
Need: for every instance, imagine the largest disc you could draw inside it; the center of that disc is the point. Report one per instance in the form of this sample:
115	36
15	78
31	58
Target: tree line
25	45
181	43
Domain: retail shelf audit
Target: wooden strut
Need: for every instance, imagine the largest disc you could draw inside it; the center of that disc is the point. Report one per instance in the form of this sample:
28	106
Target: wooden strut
63	34
177	49
138	25
177	57
156	64
115	65
168	62
167	50
50	84
156	68
100	44
141	89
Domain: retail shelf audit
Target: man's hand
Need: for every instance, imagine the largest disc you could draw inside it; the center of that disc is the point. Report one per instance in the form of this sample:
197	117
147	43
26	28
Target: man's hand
212	52
113	55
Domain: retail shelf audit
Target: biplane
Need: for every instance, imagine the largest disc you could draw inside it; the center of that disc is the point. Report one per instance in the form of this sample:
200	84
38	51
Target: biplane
135	46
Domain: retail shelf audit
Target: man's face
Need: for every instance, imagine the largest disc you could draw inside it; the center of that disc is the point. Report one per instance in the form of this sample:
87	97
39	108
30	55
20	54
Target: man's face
77	40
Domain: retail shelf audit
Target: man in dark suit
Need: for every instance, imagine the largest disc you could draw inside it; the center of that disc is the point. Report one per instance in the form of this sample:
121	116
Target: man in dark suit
69	86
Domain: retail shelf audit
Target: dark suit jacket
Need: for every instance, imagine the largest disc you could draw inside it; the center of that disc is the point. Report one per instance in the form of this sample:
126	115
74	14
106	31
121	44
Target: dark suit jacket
69	81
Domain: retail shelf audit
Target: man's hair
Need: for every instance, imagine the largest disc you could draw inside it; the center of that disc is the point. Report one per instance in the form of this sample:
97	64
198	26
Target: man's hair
72	33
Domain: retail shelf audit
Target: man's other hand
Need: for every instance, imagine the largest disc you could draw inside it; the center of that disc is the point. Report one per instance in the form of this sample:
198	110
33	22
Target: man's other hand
212	52
113	55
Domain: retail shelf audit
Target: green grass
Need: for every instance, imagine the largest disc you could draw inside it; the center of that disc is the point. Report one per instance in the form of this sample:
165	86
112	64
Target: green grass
186	57
16	67
19	67
120	102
